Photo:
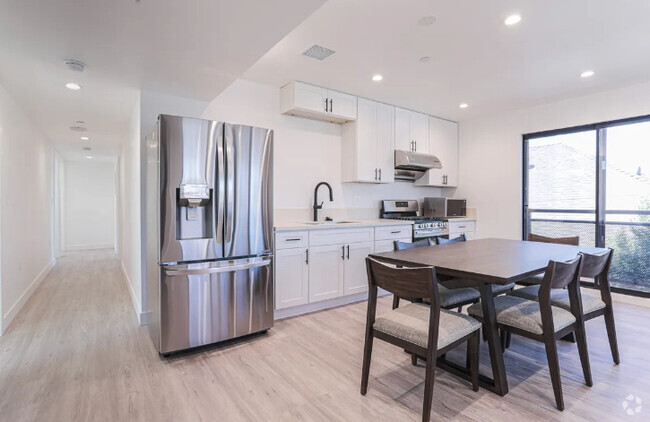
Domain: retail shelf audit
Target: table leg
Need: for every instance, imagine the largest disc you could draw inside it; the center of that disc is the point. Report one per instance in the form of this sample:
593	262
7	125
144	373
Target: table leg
492	332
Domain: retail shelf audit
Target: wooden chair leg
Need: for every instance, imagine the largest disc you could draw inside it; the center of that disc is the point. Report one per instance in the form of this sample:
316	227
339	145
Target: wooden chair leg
429	378
395	301
581	339
554	369
611	333
460	309
367	353
508	339
504	338
473	354
484	331
414	359
571	338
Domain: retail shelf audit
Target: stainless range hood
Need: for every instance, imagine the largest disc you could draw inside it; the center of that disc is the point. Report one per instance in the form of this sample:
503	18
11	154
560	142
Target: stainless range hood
410	166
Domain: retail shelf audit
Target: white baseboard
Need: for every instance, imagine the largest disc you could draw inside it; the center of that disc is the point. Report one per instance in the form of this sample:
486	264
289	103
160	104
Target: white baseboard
323	305
72	248
8	317
142	316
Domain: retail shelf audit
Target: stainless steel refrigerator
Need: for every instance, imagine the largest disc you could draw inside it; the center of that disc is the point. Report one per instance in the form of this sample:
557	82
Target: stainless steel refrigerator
209	230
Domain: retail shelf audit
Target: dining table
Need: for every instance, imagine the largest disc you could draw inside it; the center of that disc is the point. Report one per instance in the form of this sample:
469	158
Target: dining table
481	263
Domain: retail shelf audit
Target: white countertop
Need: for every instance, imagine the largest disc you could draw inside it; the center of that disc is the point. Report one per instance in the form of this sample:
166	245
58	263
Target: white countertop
459	219
377	222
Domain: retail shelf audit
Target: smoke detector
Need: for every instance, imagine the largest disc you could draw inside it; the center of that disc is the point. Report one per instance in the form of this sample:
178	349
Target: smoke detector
318	52
79	127
75	65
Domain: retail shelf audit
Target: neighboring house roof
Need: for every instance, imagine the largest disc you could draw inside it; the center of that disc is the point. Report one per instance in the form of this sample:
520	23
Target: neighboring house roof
561	176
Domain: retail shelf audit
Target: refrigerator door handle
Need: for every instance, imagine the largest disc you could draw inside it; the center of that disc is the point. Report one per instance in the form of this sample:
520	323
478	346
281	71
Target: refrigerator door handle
216	270
230	187
221	190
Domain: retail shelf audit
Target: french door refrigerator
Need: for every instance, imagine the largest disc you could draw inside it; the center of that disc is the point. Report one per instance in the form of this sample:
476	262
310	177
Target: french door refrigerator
208	218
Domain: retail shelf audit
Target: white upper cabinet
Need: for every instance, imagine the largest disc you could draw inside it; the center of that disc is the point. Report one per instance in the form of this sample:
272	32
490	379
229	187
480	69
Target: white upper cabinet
301	99
367	152
443	143
411	130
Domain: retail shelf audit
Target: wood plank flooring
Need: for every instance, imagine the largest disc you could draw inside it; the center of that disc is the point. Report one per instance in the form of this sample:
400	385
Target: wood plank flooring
76	353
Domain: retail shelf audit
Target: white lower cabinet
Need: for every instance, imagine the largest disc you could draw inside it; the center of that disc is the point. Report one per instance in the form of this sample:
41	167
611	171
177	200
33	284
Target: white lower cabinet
292	275
326	272
355	276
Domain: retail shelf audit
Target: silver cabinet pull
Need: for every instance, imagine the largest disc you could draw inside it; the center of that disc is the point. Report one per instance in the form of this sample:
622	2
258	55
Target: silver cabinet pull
216	270
326	105
343	252
375	174
396	232
307	256
380	175
348	251
295	239
331	105
461	227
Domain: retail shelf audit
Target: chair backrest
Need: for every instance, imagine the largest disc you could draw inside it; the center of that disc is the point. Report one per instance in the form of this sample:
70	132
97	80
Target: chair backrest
402	246
407	283
443	241
573	240
596	266
560	275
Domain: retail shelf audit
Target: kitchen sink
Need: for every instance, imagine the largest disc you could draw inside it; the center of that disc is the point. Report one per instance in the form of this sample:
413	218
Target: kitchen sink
330	223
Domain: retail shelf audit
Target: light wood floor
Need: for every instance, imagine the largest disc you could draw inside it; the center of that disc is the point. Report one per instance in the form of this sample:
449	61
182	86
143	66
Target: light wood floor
76	353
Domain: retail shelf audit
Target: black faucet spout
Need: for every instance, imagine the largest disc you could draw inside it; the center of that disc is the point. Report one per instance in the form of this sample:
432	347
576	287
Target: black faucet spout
318	206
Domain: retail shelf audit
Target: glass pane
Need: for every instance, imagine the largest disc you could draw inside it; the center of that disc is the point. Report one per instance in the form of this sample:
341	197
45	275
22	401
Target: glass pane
562	186
628	204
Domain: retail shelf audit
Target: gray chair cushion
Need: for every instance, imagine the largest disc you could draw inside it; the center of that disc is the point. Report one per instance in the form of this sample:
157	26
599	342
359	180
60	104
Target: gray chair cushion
453	297
411	323
523	314
560	298
502	288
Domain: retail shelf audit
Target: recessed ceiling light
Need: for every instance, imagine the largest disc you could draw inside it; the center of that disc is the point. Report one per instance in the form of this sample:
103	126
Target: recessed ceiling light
463	105
587	73
90	157
512	20
75	65
73	86
85	138
424	59
427	20
377	77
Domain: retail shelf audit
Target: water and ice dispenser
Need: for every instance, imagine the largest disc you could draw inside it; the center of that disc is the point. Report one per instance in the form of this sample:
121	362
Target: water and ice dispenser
194	211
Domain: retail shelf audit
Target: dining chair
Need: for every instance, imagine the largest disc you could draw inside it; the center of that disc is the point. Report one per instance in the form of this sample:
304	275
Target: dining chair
596	267
544	322
422	330
537	279
443	241
449	297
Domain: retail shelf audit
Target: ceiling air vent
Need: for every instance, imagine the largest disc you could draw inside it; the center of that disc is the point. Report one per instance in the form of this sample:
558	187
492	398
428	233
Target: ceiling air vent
318	52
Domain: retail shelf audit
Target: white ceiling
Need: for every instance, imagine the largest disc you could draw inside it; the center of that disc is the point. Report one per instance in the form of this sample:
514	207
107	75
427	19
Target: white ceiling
475	58
191	48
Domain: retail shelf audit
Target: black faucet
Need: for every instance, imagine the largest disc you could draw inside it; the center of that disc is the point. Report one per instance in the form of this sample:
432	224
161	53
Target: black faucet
316	205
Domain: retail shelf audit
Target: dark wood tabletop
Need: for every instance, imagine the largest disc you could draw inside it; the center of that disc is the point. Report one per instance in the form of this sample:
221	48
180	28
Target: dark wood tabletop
497	261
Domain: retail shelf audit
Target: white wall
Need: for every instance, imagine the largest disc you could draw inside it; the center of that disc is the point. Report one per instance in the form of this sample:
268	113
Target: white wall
306	152
490	157
131	169
89	206
25	208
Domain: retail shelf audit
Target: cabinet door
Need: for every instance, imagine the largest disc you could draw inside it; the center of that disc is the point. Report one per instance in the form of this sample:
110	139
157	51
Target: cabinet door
443	143
309	97
403	129
420	131
291	278
366	153
355	273
344	105
325	272
385	146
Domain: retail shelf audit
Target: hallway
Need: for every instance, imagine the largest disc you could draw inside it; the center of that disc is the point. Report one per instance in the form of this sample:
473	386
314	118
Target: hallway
76	353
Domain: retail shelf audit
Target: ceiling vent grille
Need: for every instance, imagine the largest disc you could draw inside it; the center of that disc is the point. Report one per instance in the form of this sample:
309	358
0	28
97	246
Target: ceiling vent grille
318	52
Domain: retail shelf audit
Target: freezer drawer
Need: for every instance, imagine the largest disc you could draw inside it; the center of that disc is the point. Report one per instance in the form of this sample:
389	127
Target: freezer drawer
207	303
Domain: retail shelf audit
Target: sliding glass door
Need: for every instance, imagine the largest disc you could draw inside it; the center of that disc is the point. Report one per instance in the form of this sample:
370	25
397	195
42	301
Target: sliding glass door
591	182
